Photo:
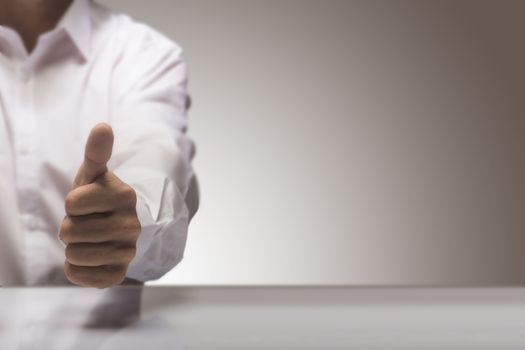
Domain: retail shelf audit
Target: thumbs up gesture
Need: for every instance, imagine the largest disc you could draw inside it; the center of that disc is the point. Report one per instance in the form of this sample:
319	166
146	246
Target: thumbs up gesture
101	227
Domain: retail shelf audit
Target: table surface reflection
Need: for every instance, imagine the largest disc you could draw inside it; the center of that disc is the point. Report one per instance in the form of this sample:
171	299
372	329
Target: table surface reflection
150	317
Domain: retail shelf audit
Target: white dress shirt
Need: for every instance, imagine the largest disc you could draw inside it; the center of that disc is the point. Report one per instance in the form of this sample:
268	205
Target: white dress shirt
95	66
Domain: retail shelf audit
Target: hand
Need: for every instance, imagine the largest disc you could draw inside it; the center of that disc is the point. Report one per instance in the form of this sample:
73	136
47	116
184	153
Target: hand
101	227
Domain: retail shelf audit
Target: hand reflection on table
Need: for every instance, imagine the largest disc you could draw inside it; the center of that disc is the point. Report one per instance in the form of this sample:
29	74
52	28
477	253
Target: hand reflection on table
80	318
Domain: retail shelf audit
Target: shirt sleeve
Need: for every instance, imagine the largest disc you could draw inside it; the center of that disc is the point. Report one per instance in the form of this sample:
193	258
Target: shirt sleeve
152	152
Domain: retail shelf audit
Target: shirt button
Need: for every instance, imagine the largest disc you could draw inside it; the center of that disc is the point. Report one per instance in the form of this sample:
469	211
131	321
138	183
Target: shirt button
30	221
23	148
25	75
32	224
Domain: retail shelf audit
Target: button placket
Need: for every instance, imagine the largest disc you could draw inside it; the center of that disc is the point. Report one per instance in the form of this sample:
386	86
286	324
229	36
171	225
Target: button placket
25	75
27	167
25	130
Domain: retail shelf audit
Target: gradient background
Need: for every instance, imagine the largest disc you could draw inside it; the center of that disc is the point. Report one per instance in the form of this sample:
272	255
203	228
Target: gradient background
353	142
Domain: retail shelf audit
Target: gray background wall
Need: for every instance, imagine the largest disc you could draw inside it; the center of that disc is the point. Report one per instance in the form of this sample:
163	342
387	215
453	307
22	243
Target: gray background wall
353	142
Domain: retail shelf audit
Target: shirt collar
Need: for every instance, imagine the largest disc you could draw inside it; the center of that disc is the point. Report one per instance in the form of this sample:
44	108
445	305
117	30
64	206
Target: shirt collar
76	21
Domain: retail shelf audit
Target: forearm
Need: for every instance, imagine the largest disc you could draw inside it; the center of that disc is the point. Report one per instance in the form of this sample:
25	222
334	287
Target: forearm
167	197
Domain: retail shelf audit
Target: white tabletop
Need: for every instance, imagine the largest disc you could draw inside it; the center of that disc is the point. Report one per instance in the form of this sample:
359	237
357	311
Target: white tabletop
262	318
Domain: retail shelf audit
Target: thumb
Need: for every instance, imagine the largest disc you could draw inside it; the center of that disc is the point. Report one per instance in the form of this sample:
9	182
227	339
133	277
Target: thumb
97	153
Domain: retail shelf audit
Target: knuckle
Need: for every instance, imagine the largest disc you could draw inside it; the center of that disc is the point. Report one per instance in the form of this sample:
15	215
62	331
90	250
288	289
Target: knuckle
70	203
129	227
69	253
65	230
72	255
127	195
129	253
119	276
123	253
134	226
133	196
71	273
113	275
132	253
137	224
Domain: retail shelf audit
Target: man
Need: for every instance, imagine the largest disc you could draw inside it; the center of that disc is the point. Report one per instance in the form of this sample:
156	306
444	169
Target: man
96	180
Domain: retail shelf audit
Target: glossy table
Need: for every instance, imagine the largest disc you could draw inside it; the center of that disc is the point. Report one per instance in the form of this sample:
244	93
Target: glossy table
262	318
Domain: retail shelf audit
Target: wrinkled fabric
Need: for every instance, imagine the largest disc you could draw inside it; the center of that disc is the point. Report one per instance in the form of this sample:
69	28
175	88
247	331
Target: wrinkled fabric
95	66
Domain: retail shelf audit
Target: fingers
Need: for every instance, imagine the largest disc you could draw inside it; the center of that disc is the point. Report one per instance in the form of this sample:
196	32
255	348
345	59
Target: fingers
95	276
97	153
99	254
106	194
99	228
89	199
